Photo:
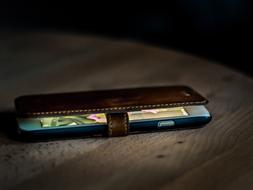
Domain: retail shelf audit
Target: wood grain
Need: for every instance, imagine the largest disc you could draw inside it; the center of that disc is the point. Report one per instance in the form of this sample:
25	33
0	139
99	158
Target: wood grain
218	156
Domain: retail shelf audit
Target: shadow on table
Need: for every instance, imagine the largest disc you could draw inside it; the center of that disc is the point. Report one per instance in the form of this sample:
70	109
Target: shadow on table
8	125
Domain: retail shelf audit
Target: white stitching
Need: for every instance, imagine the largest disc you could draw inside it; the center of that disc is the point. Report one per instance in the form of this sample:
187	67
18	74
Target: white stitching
126	123
114	108
110	125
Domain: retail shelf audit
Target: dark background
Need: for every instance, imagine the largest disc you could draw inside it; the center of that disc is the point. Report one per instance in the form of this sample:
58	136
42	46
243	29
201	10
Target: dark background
217	30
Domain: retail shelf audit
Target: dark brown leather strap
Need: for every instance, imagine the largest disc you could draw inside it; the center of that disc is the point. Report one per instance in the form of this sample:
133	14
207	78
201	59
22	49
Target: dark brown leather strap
118	124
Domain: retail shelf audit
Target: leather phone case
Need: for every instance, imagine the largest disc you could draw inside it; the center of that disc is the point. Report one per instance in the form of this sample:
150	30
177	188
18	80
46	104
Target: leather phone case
114	103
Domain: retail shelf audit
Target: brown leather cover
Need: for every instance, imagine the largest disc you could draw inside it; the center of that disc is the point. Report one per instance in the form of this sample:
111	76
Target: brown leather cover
114	103
106	101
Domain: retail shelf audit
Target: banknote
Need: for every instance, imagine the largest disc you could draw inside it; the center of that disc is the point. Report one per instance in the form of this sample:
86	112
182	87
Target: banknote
73	120
100	118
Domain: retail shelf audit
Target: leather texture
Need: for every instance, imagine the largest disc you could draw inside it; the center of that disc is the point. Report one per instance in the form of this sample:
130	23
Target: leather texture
114	103
118	124
106	101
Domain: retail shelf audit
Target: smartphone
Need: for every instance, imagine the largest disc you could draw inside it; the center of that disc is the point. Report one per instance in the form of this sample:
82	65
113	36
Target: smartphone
95	124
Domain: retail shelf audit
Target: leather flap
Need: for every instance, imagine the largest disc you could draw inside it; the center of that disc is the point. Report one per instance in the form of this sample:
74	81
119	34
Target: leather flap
106	101
118	124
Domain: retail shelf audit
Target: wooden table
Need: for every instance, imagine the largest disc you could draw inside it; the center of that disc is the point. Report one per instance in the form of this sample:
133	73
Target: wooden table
218	156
